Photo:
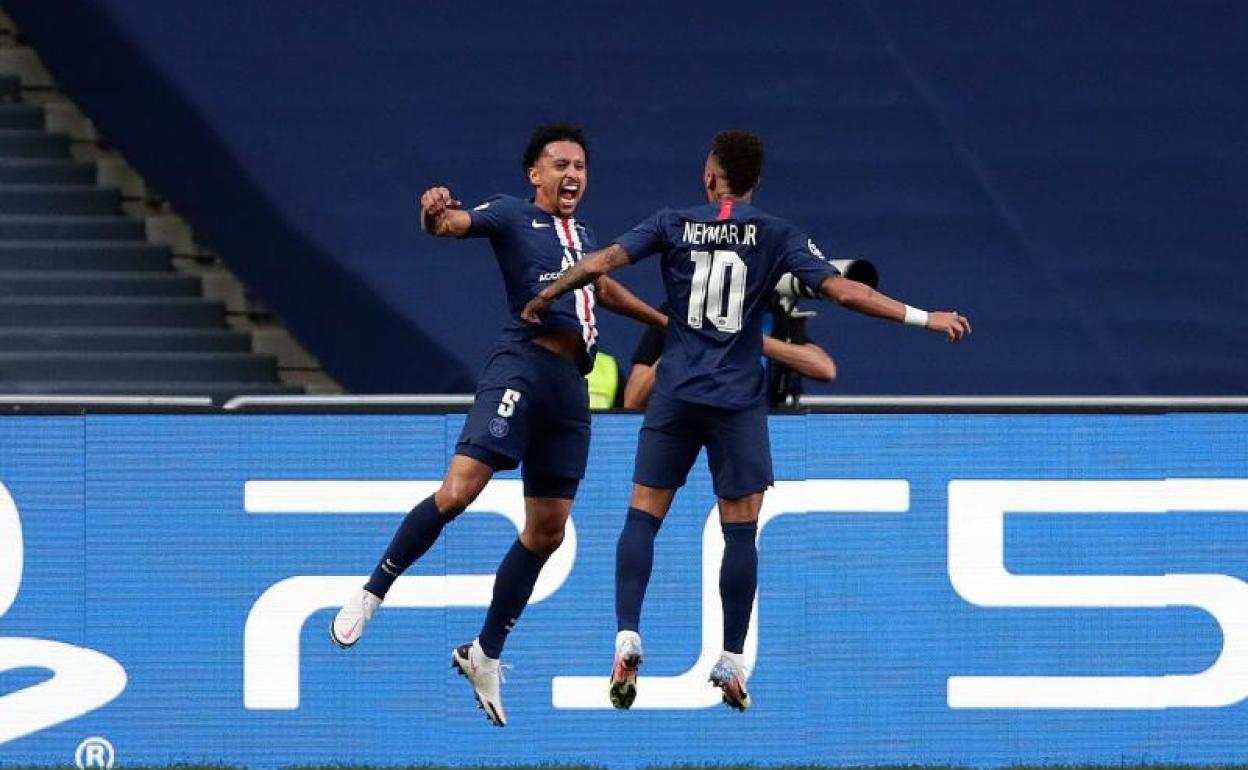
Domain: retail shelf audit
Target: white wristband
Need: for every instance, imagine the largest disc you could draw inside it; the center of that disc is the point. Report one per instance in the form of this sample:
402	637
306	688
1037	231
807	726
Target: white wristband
915	317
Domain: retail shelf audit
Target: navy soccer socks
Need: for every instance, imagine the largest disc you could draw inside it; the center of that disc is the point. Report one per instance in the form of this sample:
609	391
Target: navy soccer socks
634	559
738	580
417	534
513	585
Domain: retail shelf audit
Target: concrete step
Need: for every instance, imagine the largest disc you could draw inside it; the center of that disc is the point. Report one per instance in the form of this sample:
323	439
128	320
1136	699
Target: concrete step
23	63
47	172
43	312
123	339
126	367
28	117
71	228
48	256
97	283
77	200
10	88
217	391
20	143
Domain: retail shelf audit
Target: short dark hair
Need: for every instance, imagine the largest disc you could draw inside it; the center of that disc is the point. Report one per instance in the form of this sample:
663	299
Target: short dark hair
741	155
553	132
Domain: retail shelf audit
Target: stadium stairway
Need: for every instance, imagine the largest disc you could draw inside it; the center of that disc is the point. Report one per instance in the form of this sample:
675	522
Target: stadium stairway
87	305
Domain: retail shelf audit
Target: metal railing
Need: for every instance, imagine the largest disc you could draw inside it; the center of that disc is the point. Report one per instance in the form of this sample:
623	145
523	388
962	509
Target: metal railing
1026	403
457	401
817	403
16	402
435	400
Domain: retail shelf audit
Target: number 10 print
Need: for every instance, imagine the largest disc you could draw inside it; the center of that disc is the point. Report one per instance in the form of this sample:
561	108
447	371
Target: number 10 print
706	295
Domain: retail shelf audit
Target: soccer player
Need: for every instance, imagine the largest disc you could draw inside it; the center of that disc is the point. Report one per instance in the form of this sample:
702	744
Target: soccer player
720	261
531	407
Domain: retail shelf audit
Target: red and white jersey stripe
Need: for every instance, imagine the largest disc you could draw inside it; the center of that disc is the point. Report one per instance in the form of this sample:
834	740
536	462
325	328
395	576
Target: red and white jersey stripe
570	240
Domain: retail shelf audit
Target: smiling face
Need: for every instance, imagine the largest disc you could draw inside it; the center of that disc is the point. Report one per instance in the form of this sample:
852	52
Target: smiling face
559	177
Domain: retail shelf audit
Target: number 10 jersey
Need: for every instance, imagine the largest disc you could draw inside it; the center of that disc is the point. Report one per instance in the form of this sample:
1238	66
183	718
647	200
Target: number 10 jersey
720	263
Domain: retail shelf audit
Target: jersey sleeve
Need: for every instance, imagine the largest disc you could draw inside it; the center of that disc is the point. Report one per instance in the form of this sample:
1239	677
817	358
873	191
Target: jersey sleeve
803	259
647	238
489	217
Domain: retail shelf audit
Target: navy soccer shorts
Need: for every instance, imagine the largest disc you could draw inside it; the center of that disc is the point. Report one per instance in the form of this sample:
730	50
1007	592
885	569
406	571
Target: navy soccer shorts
737	446
531	409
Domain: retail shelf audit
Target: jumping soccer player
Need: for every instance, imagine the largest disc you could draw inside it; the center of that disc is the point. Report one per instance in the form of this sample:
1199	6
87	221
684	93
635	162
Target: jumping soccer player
719	261
531	407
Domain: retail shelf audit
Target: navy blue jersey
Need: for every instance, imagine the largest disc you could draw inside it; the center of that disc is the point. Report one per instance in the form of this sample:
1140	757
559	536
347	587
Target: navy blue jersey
720	264
533	248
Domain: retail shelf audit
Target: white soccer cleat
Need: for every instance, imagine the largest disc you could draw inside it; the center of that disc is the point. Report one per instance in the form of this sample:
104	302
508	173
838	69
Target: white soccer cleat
730	678
349	623
624	671
485	675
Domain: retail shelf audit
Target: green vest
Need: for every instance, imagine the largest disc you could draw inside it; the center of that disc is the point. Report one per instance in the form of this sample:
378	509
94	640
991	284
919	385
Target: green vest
604	381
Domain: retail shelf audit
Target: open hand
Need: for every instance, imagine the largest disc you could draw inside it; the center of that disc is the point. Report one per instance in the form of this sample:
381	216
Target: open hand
949	323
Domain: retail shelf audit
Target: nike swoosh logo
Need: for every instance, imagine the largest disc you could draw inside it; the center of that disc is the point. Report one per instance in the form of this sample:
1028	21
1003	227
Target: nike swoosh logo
539	224
351	631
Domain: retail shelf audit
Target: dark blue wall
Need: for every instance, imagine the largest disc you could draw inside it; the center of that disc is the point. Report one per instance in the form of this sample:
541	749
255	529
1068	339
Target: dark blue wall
1070	175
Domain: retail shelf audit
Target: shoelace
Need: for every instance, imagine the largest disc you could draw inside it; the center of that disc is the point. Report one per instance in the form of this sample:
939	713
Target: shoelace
502	678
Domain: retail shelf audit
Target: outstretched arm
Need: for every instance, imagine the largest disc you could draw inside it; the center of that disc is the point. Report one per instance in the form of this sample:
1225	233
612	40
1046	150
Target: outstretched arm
441	215
639	385
863	299
592	267
807	359
616	297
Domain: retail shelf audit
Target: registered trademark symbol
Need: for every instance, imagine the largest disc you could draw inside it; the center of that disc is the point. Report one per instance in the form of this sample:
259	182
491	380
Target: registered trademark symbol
94	752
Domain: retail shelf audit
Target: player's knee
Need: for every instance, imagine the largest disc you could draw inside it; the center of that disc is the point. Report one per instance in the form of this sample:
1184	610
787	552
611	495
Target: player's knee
740	510
455	495
652	500
544	540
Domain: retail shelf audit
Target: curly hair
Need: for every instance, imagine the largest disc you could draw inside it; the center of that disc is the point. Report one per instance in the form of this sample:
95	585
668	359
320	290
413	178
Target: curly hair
553	132
741	155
